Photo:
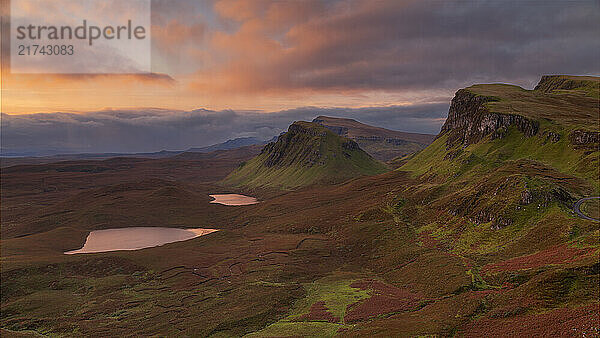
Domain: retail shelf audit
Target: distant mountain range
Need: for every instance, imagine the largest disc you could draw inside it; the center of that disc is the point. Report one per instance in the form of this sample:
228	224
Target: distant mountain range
227	145
383	144
230	144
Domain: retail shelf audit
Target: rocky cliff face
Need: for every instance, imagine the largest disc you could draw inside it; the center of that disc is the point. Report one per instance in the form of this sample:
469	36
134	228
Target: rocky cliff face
341	131
469	120
585	138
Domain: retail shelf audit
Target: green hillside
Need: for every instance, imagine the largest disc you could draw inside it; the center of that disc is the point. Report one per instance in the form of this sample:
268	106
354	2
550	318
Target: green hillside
509	161
307	154
494	123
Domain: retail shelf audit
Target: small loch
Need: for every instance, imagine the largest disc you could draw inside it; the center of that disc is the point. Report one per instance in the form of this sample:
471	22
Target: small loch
135	238
233	199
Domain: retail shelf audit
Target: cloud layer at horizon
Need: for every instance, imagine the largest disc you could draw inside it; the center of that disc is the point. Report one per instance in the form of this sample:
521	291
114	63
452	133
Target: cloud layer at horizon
131	131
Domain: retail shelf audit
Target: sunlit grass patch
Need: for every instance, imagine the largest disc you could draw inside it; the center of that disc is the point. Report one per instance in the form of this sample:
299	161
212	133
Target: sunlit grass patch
298	329
336	294
335	291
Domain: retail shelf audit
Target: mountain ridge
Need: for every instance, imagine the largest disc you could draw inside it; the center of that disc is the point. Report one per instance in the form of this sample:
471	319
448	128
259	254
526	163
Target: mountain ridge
306	154
353	128
229	144
503	122
381	143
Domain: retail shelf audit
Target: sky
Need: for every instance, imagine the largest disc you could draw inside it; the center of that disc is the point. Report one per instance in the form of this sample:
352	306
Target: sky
231	68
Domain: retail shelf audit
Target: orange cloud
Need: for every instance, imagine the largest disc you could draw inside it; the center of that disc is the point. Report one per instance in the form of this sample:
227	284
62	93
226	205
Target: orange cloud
273	54
23	93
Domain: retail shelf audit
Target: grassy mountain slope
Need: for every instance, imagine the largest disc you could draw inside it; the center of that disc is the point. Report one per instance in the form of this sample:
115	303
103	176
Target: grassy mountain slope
495	191
383	144
509	162
491	124
308	153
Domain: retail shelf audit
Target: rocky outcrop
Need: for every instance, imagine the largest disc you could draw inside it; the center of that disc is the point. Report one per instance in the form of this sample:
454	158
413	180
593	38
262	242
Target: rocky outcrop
350	145
396	142
551	137
298	128
342	131
543	197
584	138
469	120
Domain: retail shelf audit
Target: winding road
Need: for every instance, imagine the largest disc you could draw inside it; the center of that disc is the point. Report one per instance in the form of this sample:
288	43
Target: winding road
577	209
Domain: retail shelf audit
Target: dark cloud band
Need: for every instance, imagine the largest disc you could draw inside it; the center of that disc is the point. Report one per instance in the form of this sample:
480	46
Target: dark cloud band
154	130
